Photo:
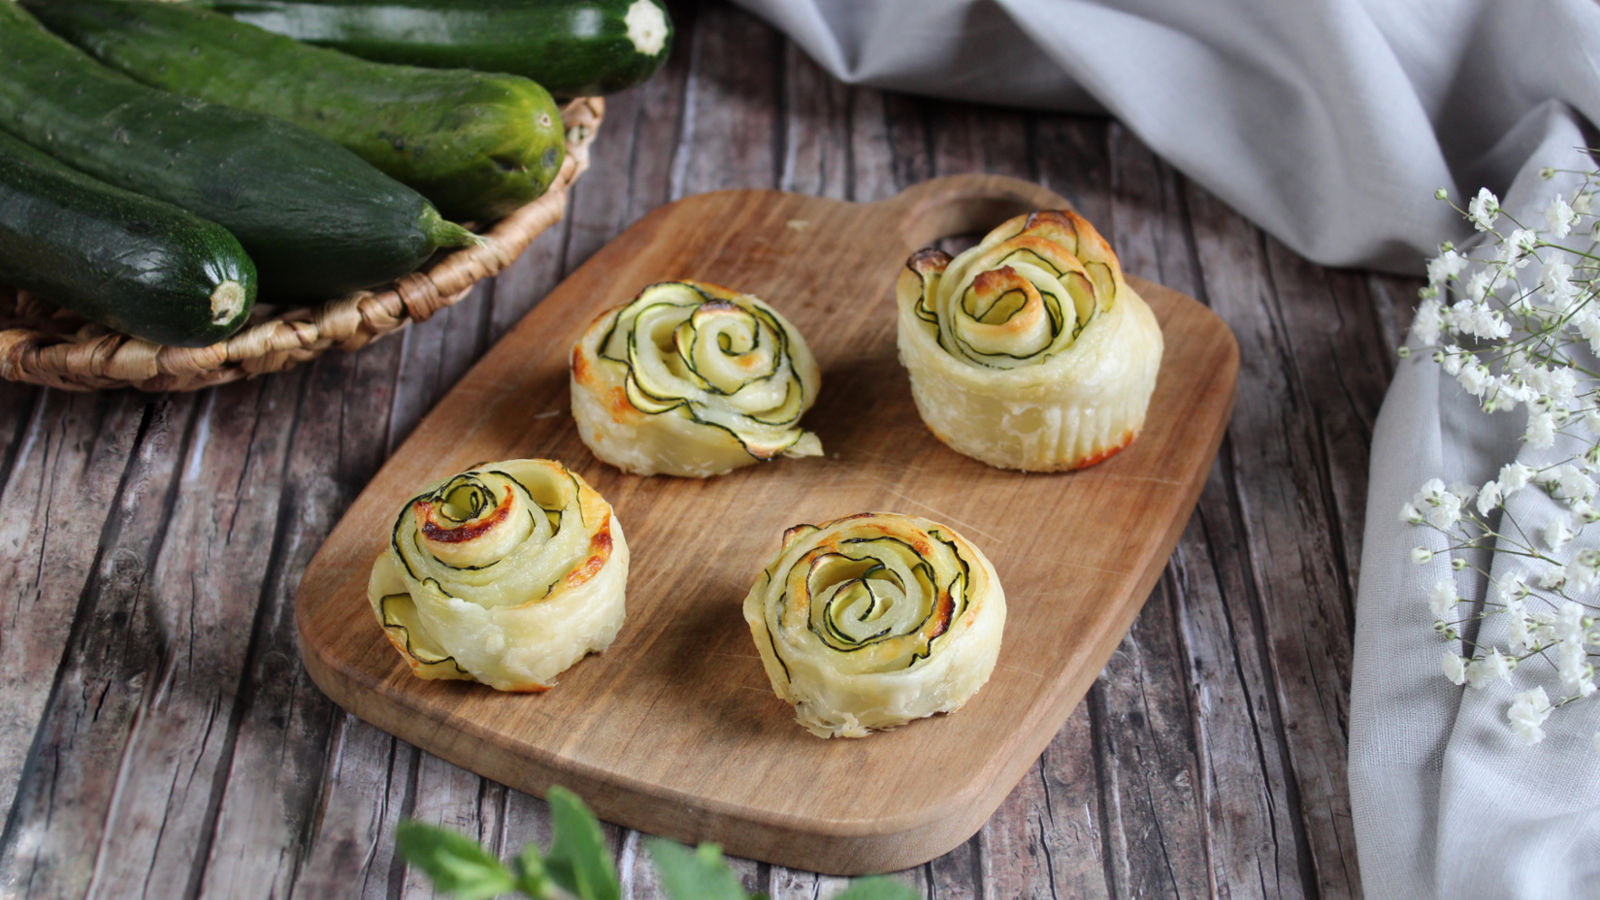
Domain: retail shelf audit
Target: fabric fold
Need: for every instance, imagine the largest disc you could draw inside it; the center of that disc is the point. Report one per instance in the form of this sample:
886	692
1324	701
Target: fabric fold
1330	123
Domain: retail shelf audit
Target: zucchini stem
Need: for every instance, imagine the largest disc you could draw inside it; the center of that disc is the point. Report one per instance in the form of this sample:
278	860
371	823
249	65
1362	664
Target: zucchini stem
227	300
445	233
647	27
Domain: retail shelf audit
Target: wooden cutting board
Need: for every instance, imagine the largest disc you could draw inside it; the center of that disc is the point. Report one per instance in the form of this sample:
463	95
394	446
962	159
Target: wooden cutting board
675	730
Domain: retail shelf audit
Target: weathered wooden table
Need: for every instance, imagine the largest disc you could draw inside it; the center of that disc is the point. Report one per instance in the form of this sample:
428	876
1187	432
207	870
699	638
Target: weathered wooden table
158	736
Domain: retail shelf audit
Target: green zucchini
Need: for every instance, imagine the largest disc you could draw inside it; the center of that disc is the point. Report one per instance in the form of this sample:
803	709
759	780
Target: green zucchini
316	219
137	265
572	47
478	145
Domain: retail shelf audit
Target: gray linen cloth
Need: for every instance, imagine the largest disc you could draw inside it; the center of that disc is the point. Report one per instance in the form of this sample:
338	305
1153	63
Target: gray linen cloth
1330	123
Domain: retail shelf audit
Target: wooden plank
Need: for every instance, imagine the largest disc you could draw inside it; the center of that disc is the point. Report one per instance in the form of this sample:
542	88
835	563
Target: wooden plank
1071	821
99	676
205	602
275	778
64	476
732	97
1303	615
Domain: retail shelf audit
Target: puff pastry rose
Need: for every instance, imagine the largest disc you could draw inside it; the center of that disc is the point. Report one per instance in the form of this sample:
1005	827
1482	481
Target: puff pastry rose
873	620
1029	351
693	379
506	574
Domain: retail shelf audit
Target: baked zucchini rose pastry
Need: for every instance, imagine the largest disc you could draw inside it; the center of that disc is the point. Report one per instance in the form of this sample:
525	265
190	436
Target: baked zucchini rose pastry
870	621
1029	351
693	379
506	574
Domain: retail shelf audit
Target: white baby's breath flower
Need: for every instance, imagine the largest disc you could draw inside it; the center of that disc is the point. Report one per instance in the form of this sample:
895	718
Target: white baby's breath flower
1489	323
1572	662
1541	431
1528	711
1445	266
1568	482
1582	203
1519	636
1561	384
1454	359
1514	477
1475	380
1442	598
1484	669
1518	245
1587	323
1555	280
1484	210
1558	217
1455	668
1583	570
1480	285
1569	624
1499	665
1488	498
1421	555
1511	587
1584	514
1425	327
1440	506
1556	535
1549	575
1410	514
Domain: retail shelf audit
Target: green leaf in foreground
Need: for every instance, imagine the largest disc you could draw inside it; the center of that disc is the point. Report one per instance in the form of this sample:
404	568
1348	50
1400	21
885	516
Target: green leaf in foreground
877	888
532	879
694	874
578	859
455	862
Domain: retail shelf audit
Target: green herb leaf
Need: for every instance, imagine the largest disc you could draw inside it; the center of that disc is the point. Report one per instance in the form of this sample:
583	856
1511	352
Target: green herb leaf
694	874
578	859
454	862
531	877
876	888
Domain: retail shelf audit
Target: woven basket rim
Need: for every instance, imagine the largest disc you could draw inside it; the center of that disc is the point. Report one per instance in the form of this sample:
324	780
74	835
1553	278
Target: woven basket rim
45	346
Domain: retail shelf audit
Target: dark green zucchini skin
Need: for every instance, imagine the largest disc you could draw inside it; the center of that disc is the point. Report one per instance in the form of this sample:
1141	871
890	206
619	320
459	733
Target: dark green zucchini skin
317	220
478	145
137	265
572	47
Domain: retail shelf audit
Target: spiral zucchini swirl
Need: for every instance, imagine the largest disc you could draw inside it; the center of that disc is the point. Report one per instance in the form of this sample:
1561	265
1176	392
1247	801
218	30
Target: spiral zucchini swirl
1030	350
693	379
873	620
506	574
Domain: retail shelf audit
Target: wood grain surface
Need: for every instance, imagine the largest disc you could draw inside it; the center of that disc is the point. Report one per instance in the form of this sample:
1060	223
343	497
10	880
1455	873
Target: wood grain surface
160	738
674	729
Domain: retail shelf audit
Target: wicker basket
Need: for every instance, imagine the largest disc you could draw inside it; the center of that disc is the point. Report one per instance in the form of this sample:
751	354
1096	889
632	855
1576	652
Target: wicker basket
42	345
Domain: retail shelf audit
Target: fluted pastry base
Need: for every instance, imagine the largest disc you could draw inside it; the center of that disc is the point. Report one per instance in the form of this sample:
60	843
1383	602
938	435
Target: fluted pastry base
1070	411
